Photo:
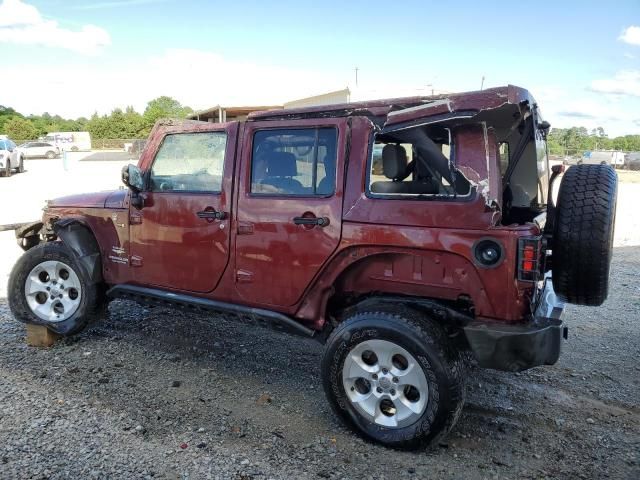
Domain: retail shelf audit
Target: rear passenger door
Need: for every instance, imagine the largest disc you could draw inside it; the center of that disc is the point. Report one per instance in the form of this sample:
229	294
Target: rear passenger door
289	206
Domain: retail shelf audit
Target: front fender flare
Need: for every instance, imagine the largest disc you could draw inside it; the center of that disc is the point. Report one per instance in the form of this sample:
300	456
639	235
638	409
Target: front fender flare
83	244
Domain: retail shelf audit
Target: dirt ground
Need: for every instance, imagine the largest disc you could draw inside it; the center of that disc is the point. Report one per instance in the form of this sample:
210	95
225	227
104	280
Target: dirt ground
155	393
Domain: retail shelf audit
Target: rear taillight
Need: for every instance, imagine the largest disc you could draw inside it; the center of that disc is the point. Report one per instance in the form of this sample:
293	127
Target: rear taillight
529	258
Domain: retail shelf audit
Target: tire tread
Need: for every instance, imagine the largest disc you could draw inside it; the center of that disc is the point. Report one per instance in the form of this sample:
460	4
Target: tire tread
583	234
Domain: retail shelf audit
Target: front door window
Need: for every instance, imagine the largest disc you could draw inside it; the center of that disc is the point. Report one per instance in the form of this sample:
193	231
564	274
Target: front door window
189	162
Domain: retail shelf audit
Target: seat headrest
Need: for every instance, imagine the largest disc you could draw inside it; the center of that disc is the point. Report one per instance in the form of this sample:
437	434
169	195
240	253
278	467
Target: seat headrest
281	164
394	161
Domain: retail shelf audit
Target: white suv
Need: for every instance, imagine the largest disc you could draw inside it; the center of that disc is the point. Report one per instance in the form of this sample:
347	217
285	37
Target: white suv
10	158
38	149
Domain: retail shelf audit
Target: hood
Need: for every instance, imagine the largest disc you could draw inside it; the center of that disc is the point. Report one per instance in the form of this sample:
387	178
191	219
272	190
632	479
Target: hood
108	199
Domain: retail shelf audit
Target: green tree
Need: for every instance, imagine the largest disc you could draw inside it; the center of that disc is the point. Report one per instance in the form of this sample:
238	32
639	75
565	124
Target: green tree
6	113
98	126
20	129
164	107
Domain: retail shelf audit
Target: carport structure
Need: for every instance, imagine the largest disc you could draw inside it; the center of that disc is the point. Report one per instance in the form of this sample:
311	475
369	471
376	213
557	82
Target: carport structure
220	114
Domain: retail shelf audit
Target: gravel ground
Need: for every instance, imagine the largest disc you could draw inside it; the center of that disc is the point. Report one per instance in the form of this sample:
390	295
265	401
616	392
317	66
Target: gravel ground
155	393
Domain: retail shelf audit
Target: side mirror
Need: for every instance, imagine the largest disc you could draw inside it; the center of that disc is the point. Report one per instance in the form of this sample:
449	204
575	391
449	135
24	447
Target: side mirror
544	127
132	178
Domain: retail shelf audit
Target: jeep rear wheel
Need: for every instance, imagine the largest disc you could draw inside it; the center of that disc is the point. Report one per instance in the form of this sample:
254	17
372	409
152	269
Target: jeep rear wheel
583	237
394	377
48	287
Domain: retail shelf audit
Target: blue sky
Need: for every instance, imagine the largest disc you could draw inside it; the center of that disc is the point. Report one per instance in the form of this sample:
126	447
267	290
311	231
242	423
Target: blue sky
580	59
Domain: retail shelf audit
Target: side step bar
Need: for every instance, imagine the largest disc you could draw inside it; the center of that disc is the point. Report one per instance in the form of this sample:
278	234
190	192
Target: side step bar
179	300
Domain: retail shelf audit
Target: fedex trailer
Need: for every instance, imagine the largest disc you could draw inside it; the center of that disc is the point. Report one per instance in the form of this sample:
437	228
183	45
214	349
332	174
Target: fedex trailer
70	141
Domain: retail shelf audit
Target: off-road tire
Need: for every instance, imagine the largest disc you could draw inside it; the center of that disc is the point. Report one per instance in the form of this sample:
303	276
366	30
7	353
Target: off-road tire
583	237
440	361
20	168
7	169
91	303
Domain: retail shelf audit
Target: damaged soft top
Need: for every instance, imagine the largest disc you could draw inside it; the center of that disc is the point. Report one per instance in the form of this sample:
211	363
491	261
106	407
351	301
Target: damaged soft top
399	110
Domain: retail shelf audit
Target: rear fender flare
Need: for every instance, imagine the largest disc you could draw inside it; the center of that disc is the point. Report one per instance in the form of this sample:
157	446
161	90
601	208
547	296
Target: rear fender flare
80	239
346	272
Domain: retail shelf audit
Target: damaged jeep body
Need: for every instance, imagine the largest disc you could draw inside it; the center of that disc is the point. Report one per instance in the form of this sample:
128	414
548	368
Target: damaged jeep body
428	207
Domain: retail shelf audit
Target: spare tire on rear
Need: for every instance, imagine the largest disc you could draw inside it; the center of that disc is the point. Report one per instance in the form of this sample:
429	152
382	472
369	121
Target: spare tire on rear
583	234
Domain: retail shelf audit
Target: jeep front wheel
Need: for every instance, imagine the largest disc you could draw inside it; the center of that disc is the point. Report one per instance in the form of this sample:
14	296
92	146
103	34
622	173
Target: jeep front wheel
48	287
394	377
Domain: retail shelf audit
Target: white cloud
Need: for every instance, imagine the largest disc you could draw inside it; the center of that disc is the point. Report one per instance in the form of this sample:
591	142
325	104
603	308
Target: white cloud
631	35
196	78
22	24
15	12
203	79
577	107
625	82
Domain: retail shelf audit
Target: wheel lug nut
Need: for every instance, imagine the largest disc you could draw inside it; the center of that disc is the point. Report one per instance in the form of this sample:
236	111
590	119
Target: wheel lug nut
48	288
385	371
374	376
393	392
395	379
379	390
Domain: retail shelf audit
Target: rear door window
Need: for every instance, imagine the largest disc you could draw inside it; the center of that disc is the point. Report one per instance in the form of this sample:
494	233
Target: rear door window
294	162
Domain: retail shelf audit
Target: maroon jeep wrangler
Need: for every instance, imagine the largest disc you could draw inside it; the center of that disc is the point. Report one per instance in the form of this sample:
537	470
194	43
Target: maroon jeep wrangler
404	234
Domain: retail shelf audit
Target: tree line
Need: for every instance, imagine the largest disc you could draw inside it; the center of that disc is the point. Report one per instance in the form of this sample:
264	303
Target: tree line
576	140
126	124
118	124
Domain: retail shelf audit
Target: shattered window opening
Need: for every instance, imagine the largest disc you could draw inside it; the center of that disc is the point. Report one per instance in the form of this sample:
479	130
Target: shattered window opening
415	162
527	180
189	162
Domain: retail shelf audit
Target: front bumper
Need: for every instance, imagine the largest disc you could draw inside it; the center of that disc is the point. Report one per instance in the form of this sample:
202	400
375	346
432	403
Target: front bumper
521	346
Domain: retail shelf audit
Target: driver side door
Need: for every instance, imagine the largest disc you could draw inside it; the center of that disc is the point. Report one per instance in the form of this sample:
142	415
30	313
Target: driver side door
180	237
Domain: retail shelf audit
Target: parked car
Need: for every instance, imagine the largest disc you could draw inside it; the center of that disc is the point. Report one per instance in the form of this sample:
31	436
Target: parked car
11	159
39	149
282	217
632	161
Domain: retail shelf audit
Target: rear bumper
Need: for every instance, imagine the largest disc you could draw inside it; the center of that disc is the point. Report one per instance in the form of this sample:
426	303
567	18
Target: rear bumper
521	346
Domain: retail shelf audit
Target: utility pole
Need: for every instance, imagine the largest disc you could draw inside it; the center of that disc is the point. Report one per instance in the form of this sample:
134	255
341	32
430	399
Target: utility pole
482	83
357	76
